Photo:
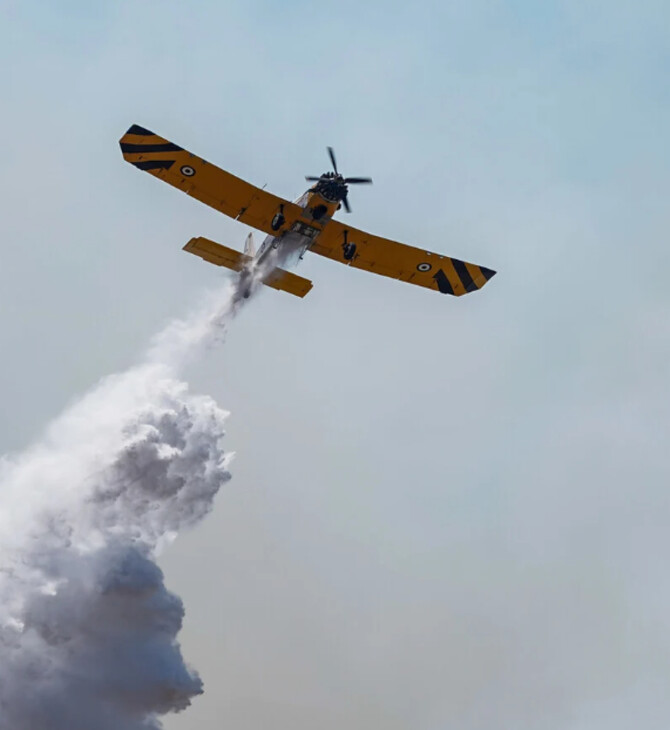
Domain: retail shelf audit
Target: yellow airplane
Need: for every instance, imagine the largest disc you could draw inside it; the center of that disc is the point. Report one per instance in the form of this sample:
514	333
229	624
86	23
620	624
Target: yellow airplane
292	228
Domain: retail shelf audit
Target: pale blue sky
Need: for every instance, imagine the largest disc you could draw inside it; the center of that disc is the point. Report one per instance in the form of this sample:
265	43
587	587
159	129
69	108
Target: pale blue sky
444	513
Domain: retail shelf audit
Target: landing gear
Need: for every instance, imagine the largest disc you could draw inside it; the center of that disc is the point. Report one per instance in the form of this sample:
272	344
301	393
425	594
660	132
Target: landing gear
278	220
348	249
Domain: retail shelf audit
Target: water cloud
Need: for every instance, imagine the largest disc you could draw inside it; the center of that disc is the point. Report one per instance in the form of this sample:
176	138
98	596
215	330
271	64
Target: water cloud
87	627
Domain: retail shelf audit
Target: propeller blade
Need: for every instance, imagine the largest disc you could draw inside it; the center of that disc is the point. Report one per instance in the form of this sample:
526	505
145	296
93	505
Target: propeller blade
311	179
347	207
356	180
331	152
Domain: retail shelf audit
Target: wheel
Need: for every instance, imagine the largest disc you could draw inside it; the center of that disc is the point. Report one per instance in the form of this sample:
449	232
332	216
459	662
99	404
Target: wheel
277	222
349	251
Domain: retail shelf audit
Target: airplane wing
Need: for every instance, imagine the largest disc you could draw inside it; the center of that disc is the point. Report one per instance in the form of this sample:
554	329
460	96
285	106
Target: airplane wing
202	180
399	261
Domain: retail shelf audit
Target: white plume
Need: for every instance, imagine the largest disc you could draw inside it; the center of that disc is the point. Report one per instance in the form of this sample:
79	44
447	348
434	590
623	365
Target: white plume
87	628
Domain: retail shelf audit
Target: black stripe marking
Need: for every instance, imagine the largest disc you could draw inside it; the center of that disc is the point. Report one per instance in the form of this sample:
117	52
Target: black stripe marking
136	129
464	275
127	147
154	164
488	273
443	284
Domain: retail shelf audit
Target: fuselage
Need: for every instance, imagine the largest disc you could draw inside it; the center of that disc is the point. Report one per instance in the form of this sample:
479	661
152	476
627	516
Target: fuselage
291	242
317	212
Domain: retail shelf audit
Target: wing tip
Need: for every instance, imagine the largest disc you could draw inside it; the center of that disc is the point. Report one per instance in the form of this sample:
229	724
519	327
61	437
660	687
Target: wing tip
141	131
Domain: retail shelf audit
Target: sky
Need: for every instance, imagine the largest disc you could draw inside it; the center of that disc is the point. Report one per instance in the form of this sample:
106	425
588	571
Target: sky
443	513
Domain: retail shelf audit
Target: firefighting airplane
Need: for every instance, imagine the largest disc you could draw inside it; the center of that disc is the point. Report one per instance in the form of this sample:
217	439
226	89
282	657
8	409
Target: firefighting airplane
306	225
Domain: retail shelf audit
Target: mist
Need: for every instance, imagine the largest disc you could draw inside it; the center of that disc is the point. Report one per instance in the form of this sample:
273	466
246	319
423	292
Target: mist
87	626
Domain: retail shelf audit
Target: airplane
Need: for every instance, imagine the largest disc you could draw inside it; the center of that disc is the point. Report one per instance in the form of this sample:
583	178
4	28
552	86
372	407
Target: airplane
292	228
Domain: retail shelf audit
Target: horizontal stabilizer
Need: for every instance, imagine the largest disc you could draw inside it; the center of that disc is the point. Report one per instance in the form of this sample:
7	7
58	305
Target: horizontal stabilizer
217	254
287	281
220	255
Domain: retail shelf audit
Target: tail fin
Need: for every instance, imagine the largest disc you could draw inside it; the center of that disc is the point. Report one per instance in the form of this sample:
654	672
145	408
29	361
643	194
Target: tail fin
249	248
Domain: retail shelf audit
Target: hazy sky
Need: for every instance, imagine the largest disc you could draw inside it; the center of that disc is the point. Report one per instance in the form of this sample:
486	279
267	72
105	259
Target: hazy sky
444	513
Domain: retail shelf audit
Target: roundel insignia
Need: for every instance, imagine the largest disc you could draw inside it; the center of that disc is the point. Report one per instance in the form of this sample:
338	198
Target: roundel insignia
187	171
424	267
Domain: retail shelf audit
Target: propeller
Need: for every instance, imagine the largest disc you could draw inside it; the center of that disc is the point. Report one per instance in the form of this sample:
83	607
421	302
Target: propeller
335	176
331	153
